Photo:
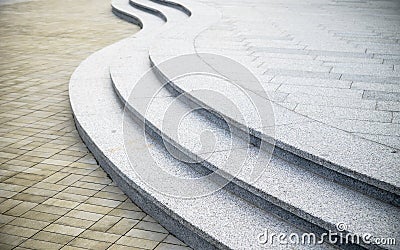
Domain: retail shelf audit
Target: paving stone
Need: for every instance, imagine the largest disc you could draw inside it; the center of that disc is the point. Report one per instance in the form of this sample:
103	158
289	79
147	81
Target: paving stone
38	244
127	213
58	210
321	112
21	208
121	247
123	226
24	222
320	91
155	227
332	83
170	246
84	215
53	237
105	223
93	208
375	86
61	203
136	242
382	96
74	222
101	236
11	240
18	231
103	202
62	229
148	235
89	244
173	240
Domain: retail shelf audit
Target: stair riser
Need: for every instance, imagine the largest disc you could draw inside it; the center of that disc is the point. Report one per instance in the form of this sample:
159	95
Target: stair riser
177	226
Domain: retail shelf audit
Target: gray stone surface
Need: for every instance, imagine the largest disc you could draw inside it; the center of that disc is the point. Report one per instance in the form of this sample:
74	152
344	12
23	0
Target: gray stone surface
327	46
340	120
220	219
279	182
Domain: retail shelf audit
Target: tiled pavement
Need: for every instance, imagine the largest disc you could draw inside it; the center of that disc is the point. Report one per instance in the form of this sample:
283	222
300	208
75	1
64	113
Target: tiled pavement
53	195
344	73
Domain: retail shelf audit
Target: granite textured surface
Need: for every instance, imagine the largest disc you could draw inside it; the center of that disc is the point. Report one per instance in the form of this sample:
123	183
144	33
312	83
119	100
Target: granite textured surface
224	218
322	140
159	136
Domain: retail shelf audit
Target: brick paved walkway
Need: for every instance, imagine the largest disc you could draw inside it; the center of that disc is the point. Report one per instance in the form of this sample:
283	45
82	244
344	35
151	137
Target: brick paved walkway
53	195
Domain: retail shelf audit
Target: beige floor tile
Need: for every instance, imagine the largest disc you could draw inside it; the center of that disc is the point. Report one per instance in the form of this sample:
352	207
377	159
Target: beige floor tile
53	237
8	204
24	222
30	198
21	208
74	222
127	213
51	209
61	203
94	208
166	246
150	226
103	202
89	244
71	197
128	205
38	244
121	247
84	215
19	181
62	229
136	242
35	215
173	240
18	231
123	226
12	240
80	191
105	223
4	219
6	247
96	235
40	191
148	235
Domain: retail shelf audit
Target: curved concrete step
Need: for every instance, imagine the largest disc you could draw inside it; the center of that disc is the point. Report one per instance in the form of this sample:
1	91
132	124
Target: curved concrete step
282	183
285	187
220	220
146	6
123	10
352	163
175	5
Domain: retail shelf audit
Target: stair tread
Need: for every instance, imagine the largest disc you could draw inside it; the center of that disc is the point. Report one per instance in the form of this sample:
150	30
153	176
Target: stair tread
308	195
315	141
221	216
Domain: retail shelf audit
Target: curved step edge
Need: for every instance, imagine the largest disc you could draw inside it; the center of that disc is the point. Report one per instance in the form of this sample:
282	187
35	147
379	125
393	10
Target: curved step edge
175	5
94	112
369	182
125	15
262	198
153	11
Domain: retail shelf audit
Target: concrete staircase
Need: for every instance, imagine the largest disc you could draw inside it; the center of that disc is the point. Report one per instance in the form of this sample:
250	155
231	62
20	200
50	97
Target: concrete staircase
222	191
